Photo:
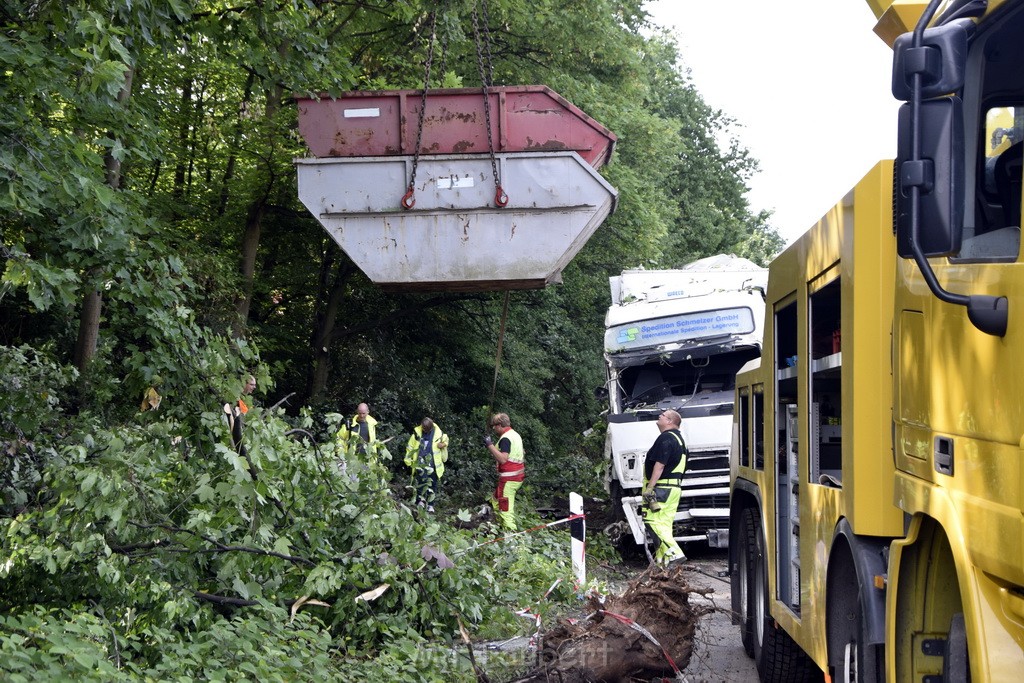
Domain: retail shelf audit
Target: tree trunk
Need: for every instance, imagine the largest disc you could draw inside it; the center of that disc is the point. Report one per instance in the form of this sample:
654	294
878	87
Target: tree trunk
92	301
88	328
250	247
254	219
229	170
184	113
326	317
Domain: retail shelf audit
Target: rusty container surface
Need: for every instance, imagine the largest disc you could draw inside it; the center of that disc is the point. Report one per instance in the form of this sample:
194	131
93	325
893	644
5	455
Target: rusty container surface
529	118
455	239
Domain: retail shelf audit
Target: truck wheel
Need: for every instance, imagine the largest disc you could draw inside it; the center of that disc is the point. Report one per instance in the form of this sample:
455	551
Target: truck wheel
861	662
777	656
851	657
615	493
743	577
956	665
618	532
850	662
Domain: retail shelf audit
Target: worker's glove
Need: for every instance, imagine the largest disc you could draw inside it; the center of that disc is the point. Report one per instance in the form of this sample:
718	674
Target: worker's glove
488	441
651	501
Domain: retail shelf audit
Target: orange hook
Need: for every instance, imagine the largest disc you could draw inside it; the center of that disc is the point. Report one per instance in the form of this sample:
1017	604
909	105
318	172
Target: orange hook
409	200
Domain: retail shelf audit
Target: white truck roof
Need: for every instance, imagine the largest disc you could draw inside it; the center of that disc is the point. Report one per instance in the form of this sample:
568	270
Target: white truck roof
723	272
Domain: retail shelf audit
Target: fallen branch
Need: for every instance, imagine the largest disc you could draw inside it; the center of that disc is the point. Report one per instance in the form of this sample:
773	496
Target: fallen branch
481	675
281	401
224	600
218	546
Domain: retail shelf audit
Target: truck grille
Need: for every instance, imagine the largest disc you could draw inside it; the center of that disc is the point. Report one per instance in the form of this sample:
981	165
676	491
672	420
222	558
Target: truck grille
707	460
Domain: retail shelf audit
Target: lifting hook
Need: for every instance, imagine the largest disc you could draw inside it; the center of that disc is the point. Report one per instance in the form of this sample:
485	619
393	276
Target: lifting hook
500	198
409	199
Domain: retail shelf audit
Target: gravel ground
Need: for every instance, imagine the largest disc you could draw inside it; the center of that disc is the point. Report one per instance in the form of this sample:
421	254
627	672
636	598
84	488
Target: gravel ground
718	655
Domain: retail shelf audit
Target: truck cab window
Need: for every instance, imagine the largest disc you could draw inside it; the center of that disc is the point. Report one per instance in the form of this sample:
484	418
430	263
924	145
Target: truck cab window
1004	159
993	232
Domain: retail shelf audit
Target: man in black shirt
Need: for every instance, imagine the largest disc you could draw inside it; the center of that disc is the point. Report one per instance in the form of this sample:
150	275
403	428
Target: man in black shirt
663	472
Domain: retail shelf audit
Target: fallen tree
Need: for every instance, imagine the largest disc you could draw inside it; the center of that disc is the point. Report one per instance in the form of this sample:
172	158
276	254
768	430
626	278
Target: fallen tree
647	631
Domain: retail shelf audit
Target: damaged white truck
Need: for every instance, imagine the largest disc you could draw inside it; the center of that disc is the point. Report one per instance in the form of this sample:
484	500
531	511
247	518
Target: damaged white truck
675	339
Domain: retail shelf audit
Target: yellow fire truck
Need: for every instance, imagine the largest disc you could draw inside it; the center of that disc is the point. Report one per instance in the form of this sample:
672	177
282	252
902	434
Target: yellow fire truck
877	501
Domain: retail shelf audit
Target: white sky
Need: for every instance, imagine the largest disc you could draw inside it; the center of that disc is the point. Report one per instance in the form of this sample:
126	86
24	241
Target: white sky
807	82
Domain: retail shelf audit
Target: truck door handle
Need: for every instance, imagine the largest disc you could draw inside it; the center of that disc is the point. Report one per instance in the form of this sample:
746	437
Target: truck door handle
944	455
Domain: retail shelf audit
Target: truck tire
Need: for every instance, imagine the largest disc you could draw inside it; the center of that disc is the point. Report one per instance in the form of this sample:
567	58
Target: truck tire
861	663
743	577
615	493
618	532
852	659
956	665
777	656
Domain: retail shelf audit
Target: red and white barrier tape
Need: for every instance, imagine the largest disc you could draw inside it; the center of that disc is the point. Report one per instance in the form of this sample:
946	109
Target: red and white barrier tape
532	529
526	613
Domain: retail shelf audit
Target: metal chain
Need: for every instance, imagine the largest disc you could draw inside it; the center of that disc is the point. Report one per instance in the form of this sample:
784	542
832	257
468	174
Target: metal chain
500	197
444	43
487	42
409	199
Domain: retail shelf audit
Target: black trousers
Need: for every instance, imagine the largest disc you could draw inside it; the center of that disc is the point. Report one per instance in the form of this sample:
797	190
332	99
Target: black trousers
428	485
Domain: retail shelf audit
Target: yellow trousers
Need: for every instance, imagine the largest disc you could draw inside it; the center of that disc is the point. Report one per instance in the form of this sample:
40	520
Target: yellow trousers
660	523
504	503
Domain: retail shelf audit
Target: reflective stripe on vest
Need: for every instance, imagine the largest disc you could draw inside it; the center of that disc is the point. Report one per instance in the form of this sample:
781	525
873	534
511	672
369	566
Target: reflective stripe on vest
513	469
675	477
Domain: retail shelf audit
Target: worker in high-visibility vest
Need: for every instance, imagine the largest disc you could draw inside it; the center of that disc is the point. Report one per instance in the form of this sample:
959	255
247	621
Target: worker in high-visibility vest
359	432
663	474
508	453
426	453
235	414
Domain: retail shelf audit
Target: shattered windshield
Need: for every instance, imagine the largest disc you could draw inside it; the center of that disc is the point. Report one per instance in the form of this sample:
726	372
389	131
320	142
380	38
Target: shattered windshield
693	386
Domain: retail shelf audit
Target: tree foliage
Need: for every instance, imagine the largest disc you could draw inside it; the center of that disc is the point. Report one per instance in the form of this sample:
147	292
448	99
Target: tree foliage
154	247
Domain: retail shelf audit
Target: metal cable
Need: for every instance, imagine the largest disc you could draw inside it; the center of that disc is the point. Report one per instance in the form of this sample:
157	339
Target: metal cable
500	197
409	199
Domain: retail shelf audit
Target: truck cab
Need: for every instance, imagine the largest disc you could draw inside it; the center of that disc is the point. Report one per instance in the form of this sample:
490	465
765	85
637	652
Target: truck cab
674	339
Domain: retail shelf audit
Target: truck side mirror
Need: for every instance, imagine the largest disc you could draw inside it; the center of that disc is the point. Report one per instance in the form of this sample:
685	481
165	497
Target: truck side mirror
941	60
601	392
928	188
938	172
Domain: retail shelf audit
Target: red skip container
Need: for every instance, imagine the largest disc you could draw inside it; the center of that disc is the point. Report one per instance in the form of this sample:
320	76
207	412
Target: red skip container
524	118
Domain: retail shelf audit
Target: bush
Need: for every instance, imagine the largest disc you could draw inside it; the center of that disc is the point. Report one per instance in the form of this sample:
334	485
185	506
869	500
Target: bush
159	551
31	385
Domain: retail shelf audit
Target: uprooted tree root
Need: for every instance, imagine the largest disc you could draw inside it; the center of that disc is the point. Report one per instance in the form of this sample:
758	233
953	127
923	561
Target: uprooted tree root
604	648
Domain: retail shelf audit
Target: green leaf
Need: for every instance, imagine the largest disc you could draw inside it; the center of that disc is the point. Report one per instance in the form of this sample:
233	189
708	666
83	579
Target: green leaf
283	546
105	196
109	75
